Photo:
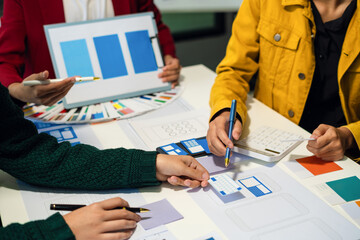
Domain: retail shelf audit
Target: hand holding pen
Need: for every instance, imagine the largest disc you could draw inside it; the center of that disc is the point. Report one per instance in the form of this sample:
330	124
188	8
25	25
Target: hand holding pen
102	220
41	94
218	133
231	126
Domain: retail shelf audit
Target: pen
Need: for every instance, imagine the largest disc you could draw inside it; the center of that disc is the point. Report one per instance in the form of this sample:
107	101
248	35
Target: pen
298	139
48	81
72	207
231	126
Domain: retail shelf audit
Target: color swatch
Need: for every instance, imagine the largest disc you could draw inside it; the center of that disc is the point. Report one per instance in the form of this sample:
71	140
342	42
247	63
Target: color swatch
76	57
117	109
141	51
110	56
347	188
317	166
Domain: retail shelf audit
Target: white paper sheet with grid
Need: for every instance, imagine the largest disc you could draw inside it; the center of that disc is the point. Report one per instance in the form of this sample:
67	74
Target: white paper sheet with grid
224	184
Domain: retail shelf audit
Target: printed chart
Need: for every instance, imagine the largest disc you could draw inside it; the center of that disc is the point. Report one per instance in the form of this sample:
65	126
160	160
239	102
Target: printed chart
123	51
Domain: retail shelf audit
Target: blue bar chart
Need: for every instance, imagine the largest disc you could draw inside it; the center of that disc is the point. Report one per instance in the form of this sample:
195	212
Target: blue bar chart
110	55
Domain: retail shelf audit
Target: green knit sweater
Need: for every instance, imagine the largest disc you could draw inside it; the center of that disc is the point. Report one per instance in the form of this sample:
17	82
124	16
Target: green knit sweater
38	159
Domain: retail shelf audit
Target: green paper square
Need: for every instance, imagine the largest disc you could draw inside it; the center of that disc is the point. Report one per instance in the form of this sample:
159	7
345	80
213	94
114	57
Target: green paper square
347	188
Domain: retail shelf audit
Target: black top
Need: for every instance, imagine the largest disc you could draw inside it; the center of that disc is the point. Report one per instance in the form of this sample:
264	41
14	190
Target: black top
323	103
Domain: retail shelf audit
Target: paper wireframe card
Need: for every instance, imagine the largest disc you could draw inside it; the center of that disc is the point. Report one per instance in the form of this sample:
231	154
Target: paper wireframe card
123	51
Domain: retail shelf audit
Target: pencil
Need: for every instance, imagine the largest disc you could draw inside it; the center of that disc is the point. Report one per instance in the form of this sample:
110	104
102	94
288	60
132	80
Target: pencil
48	81
72	207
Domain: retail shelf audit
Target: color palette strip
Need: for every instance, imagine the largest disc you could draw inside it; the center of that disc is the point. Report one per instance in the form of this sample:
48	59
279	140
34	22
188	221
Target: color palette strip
116	109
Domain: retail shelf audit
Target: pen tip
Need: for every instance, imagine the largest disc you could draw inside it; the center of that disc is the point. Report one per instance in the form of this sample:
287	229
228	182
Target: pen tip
227	160
96	78
144	210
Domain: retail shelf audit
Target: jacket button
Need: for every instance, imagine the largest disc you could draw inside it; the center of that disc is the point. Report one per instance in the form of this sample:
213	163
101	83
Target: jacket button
277	37
291	113
301	76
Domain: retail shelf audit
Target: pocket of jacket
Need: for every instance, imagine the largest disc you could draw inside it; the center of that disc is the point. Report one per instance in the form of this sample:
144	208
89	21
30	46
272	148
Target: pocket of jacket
278	47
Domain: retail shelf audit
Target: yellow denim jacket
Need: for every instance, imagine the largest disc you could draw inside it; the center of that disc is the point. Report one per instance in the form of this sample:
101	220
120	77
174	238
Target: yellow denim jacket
275	39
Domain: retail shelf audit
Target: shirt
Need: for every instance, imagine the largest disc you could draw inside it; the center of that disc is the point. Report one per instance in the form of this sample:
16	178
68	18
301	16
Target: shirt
83	10
323	104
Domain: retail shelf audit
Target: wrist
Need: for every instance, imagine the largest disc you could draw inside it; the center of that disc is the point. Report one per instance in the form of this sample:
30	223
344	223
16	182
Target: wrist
347	138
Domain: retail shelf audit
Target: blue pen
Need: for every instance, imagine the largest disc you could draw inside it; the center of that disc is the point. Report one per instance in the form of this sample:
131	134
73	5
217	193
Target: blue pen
231	126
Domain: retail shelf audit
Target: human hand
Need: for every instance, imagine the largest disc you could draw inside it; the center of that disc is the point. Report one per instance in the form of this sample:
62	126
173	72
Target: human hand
101	221
331	143
181	170
171	70
217	134
41	94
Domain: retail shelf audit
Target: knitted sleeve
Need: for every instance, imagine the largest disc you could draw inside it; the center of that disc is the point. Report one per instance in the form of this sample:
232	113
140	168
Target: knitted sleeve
38	158
53	228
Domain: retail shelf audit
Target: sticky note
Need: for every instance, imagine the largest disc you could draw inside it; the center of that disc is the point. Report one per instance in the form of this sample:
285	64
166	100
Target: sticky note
161	212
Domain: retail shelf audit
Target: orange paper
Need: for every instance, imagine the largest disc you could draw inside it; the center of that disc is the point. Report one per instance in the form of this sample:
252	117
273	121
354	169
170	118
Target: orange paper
317	166
358	203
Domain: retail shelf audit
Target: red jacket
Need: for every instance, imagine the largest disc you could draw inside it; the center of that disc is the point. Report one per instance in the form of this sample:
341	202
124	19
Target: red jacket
23	46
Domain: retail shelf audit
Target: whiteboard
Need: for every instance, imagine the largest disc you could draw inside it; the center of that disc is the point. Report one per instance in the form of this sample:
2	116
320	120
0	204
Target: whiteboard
123	51
198	5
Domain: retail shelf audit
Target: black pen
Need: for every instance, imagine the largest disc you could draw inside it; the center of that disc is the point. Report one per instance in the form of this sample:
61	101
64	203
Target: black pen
72	207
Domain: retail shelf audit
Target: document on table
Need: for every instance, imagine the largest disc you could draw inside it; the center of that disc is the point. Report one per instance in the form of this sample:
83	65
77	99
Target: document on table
269	204
37	203
157	132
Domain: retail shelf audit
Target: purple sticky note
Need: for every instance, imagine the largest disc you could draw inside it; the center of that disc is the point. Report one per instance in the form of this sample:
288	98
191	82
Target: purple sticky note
214	164
161	212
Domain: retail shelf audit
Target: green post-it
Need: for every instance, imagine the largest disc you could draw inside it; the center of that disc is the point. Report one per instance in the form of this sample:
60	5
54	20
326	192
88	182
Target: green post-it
347	188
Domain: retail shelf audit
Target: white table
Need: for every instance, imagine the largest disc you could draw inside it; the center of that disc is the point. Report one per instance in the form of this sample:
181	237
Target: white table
197	81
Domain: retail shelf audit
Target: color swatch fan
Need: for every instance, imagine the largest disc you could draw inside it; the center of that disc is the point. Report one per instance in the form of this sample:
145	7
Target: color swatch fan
123	51
100	112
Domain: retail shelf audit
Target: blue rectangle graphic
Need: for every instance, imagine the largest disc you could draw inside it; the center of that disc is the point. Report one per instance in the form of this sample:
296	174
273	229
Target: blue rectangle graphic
76	57
63	134
255	186
110	55
141	51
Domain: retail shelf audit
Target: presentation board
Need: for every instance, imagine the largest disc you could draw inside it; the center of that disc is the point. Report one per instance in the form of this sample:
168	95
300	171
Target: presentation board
123	51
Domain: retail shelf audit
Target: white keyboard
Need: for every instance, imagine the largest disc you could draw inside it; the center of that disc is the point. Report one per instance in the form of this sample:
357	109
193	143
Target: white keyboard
267	143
